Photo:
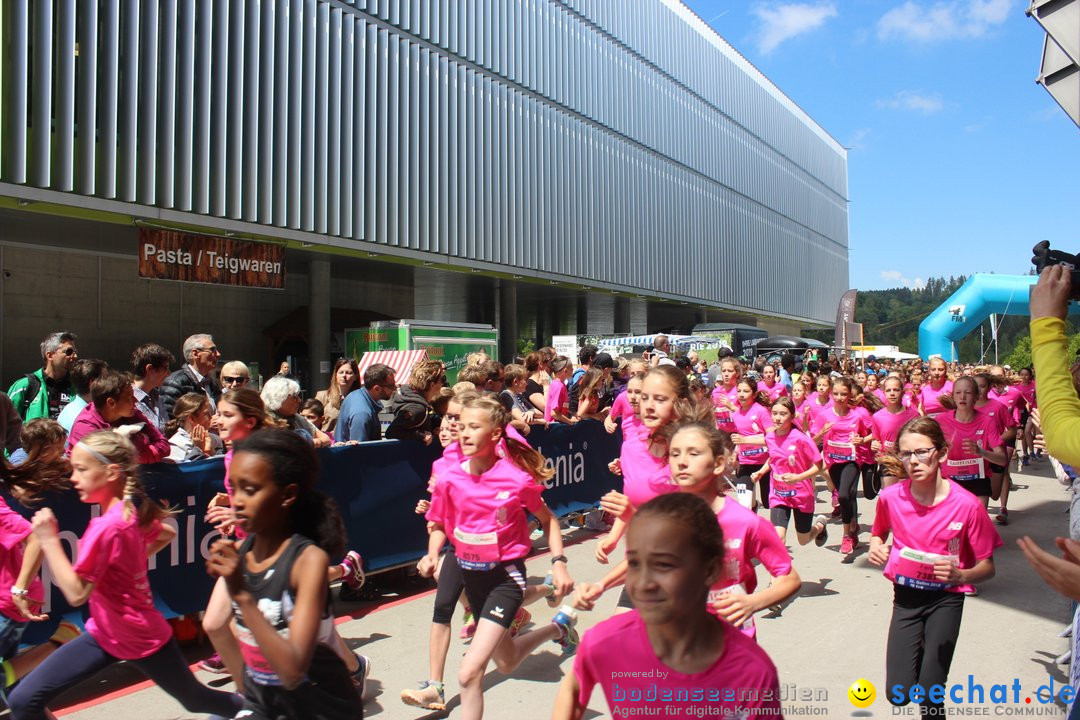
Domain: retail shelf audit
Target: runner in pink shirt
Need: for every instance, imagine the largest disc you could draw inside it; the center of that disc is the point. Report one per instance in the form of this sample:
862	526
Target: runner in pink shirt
885	424
866	405
817	403
943	545
913	391
769	385
872	387
110	575
840	431
794	462
798	399
749	421
1005	419
974	442
675	548
698	459
480	505
1026	387
932	391
725	393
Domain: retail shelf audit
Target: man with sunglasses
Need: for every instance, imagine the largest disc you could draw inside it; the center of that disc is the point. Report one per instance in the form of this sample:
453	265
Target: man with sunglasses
46	391
202	357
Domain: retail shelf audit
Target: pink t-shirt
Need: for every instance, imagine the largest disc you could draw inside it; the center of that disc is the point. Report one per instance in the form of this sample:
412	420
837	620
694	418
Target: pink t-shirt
836	445
863	453
778	390
1027	390
814	409
957	527
1013	399
644	474
450	457
792	454
752	421
112	556
620	407
929	397
886	426
741	680
880	395
1001	415
557	399
14	529
484	515
959	464
723	415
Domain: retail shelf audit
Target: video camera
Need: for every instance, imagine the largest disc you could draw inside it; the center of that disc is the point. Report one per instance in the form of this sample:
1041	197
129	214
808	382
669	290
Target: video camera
1044	257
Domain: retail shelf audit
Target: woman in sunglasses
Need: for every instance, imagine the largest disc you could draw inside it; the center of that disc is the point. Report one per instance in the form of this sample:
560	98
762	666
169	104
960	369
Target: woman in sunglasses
942	545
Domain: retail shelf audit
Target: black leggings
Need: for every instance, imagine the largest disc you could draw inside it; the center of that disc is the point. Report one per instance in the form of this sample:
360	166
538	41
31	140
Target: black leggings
845	477
451	583
742	478
82	658
922	640
871	480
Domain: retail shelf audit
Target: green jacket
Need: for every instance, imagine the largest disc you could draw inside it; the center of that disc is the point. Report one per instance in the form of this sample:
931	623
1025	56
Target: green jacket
31	407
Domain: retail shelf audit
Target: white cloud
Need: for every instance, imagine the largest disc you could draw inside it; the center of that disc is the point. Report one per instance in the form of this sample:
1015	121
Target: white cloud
858	140
783	22
916	102
897	277
943	20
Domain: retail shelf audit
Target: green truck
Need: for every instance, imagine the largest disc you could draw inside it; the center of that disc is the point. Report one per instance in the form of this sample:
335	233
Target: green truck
448	342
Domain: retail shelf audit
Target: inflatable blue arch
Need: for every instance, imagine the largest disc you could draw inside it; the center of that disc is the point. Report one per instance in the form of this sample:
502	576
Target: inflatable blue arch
978	298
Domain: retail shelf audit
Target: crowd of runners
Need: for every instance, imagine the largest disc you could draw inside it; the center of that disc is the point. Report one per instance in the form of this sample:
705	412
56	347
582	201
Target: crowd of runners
718	461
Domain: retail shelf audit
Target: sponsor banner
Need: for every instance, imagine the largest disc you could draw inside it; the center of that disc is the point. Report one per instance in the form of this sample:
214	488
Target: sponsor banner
171	255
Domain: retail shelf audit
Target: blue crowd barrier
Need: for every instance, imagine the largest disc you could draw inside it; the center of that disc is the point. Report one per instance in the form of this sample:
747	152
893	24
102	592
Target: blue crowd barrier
376	485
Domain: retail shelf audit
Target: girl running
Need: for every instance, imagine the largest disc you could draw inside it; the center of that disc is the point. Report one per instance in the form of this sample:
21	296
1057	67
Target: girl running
974	441
1006	423
943	544
725	394
748	424
816	404
769	384
866	405
676	553
111	575
938	385
798	399
840	431
885	425
794	461
481	505
1026	388
698	460
276	580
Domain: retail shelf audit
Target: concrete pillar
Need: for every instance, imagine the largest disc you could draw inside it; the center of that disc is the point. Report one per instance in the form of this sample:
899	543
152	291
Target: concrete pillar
582	314
319	324
622	315
507	322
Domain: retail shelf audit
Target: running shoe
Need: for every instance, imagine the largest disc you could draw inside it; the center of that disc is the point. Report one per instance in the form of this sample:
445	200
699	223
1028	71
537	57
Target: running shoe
354	570
568	638
359	678
430	696
973	592
468	627
553	599
847	545
213	664
1002	517
835	499
1024	461
65	633
521	619
823	536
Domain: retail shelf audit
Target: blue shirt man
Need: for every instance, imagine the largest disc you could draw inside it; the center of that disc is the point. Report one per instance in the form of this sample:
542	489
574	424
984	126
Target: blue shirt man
359	418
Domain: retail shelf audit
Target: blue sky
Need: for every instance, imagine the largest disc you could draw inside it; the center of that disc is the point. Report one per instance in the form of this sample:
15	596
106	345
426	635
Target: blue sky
958	161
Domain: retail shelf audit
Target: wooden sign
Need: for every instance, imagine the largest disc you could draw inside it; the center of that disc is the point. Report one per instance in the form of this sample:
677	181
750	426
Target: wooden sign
171	255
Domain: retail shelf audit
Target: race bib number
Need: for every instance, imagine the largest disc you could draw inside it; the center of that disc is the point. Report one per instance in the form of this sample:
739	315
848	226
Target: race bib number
476	551
715	593
915	569
967	469
839	451
751	451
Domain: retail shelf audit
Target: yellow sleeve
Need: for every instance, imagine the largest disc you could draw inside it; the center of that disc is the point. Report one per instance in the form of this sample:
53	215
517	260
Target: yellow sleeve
1059	406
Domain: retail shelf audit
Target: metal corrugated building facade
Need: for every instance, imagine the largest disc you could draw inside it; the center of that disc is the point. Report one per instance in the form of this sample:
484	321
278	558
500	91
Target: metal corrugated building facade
614	143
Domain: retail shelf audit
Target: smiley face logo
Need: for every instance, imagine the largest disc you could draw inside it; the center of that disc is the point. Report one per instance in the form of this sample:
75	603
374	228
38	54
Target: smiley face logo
862	693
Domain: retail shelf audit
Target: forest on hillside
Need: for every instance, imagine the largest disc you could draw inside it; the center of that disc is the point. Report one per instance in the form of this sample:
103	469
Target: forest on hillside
892	317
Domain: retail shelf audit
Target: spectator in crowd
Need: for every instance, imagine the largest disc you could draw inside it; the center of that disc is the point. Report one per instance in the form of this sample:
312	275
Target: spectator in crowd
10	424
536	363
606	365
47	391
201	357
150	363
661	348
41	440
586	358
83	372
787	367
112	406
189	432
359	417
344	379
281	395
234	375
1059	406
315	412
513	397
411	404
494	376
